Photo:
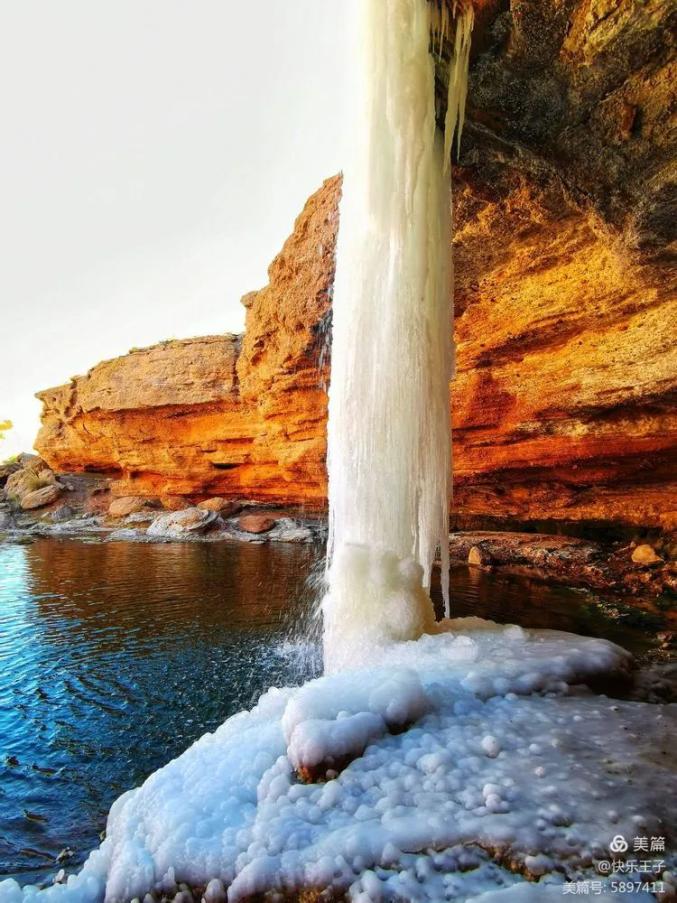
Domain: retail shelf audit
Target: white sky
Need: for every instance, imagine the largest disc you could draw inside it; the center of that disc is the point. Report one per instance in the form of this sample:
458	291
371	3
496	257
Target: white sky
153	157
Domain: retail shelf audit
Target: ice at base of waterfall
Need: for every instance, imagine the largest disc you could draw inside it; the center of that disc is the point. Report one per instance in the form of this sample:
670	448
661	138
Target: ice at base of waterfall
472	747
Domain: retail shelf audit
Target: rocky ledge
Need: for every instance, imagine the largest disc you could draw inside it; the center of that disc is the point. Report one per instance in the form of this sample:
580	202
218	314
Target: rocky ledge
636	569
80	506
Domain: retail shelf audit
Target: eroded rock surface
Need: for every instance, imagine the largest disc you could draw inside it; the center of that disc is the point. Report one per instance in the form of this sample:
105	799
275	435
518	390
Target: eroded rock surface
563	401
217	415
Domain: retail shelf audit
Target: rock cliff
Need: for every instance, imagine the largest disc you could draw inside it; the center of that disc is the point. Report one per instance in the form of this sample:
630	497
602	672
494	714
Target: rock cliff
563	401
217	415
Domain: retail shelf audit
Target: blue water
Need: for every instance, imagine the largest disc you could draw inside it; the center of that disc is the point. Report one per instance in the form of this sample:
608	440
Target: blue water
114	657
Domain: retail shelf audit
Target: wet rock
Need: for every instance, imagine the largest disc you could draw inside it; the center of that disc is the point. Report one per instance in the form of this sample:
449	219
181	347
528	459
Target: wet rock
38	498
5	520
224	507
288	530
129	504
256	523
62	513
180	523
645	555
565	560
478	556
34	816
125	534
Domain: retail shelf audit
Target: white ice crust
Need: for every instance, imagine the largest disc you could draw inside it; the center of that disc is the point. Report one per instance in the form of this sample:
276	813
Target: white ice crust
502	754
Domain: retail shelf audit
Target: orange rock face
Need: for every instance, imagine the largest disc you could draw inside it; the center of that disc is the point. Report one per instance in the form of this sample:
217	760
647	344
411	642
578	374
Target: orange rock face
563	400
563	403
218	415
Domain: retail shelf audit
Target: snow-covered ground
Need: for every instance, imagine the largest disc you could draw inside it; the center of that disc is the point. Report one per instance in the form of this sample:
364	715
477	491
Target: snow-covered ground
479	761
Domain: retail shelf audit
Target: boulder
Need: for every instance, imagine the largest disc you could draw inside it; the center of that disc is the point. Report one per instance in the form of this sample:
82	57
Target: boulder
256	523
174	502
129	504
16	484
25	481
181	523
645	555
224	507
38	498
33	463
478	557
6	470
141	517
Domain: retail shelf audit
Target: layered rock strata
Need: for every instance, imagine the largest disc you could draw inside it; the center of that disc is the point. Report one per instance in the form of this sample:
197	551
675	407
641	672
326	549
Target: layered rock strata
227	416
564	397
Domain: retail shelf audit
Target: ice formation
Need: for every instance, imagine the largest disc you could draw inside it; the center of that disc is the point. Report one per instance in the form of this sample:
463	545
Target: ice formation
506	766
389	454
469	754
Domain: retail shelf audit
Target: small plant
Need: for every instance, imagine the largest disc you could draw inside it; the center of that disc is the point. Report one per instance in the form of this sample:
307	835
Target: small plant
4	426
35	481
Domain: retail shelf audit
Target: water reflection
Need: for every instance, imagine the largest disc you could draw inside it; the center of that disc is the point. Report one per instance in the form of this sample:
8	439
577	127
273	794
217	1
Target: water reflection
114	658
532	603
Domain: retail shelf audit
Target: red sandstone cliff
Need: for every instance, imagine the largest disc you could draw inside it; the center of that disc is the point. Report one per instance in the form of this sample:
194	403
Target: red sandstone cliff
218	415
563	403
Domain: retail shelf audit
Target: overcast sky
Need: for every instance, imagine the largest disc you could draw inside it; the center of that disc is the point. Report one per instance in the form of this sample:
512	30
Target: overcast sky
154	155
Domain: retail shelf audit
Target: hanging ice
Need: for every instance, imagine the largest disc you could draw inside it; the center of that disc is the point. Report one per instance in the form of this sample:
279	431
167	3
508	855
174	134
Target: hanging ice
389	429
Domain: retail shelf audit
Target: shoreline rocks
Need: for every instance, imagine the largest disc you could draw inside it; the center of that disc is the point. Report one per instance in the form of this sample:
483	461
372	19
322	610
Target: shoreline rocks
122	507
39	498
256	523
629	569
81	508
178	523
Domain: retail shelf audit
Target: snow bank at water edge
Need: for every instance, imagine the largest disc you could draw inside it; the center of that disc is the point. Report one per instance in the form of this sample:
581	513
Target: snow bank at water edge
469	759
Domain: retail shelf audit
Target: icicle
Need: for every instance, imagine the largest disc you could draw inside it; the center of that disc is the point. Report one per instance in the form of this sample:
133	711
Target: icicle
458	82
389	438
443	29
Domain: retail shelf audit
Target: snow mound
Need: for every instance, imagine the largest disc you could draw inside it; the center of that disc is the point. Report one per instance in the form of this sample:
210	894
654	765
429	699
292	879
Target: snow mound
501	760
335	717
